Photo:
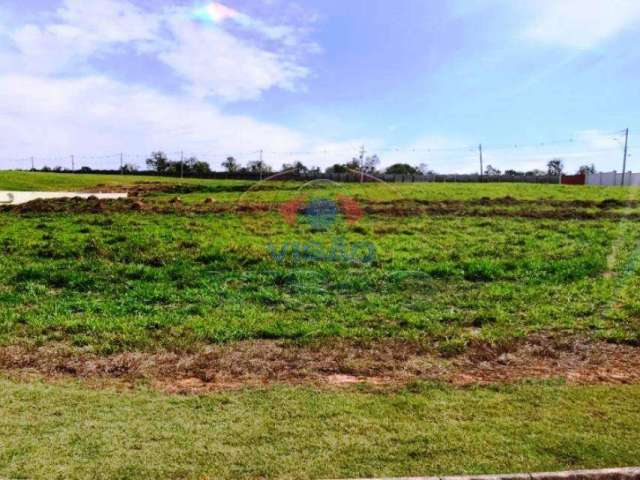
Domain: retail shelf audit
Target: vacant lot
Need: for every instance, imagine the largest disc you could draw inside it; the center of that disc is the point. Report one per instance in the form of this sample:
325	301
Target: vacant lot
238	288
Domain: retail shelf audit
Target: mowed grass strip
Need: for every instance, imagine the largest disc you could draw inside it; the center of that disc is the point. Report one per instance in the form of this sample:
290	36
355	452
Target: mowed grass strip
69	431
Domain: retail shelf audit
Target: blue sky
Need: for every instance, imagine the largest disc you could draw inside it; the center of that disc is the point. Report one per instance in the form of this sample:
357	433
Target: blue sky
417	81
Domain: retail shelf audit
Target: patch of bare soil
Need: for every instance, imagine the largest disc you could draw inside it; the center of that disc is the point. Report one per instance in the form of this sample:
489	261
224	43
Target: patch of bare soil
96	205
134	189
497	207
508	207
334	364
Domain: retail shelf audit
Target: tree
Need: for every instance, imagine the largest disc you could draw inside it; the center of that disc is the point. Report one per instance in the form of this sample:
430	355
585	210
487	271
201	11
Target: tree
555	167
513	173
370	164
423	169
535	173
401	169
85	169
259	167
181	167
230	165
298	167
337	168
584	169
129	168
200	168
491	171
353	165
158	162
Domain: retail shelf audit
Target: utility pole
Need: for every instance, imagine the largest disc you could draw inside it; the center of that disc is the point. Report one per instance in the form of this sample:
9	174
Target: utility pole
121	165
181	164
624	158
481	166
260	164
362	152
73	163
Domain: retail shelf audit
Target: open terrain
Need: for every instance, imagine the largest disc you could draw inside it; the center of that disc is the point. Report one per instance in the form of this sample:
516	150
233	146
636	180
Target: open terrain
467	327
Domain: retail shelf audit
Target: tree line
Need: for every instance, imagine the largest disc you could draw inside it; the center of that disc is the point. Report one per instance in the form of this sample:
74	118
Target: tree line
159	162
555	167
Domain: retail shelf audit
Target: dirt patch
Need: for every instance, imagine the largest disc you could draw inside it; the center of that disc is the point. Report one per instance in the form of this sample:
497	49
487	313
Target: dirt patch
140	189
508	207
386	364
134	189
77	205
499	207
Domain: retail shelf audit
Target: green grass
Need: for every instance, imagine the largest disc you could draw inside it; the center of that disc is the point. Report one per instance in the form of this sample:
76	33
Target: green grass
25	181
133	280
139	281
231	190
69	431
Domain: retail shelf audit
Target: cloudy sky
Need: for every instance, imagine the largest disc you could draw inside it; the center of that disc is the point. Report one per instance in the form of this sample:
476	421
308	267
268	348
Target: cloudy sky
421	81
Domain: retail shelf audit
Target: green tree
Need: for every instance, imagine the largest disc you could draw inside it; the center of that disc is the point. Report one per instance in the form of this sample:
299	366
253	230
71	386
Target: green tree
370	164
401	169
337	168
200	168
584	169
230	165
555	167
159	162
491	171
298	167
258	167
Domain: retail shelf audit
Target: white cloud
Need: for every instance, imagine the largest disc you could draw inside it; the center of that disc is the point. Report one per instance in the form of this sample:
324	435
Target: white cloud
113	21
53	104
210	60
218	64
579	23
96	115
81	30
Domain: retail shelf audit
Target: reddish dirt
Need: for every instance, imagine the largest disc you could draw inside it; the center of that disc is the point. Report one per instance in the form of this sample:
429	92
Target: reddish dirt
384	364
135	189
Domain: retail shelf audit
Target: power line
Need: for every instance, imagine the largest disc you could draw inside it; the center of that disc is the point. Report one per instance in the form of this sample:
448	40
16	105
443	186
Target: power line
339	151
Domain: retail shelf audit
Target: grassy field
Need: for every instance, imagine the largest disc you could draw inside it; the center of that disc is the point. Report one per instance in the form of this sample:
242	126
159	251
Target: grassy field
67	431
138	280
233	189
453	265
134	281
